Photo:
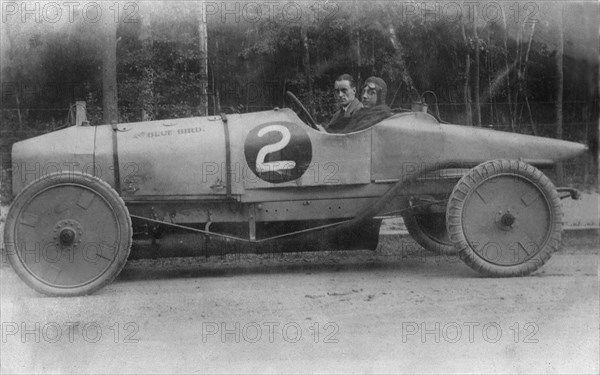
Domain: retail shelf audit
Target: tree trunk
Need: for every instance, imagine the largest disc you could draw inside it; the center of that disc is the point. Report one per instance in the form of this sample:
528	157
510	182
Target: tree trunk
466	89
110	110
203	107
355	35
11	30
18	101
507	67
559	93
146	97
476	79
215	71
355	54
518	65
306	66
533	126
489	64
523	82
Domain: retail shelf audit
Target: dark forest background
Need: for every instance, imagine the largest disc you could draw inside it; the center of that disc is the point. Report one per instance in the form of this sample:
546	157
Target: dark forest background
526	67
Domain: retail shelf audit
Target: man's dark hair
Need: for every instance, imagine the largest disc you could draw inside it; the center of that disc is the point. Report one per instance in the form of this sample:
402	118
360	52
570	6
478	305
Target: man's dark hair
349	78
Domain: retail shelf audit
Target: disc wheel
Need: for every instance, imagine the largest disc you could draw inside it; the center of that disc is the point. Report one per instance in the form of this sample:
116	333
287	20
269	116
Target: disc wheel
429	231
504	217
68	234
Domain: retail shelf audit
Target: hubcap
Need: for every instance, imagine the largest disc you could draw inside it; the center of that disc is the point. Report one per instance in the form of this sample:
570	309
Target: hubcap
67	233
507	219
67	236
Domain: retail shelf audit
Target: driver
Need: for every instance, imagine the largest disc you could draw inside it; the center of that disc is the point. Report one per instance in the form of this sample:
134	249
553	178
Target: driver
345	95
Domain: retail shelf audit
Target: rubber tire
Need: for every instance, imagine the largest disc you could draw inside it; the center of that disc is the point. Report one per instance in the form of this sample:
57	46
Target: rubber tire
463	191
98	186
424	238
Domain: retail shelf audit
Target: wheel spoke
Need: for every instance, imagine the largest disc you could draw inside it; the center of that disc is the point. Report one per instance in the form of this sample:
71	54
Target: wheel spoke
524	248
481	196
529	198
52	273
29	219
85	199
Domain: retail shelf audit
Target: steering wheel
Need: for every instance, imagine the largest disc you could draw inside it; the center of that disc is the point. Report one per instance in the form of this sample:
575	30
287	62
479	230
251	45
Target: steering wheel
301	110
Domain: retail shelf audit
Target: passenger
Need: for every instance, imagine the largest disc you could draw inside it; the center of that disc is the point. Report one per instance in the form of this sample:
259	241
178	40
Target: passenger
375	109
345	95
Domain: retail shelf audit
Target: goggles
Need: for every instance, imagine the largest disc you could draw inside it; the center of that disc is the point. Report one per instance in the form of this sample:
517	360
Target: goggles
371	88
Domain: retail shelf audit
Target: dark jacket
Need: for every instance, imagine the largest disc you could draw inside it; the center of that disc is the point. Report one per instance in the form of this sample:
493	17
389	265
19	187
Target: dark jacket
366	118
339	121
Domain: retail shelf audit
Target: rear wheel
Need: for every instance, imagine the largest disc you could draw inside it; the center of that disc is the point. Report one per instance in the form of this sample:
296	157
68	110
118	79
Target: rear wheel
429	231
504	217
68	234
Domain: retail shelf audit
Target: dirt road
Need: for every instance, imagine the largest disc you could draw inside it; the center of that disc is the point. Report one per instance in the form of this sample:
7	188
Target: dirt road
397	310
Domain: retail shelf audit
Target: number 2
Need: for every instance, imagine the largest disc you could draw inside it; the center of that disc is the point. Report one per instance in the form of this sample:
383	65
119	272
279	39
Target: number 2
261	166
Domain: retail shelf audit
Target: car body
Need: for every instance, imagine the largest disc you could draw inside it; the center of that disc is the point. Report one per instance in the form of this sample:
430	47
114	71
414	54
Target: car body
252	182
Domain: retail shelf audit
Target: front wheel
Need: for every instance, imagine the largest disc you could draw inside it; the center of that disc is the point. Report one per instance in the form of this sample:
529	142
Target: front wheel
504	217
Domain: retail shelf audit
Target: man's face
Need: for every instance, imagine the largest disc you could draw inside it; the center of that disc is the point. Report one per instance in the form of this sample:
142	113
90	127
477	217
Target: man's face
369	96
344	93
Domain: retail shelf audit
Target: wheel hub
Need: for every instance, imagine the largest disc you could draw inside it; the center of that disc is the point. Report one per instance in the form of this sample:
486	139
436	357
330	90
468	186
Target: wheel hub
505	220
68	233
67	236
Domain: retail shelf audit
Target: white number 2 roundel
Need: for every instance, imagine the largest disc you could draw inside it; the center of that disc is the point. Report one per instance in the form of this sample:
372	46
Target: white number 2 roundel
278	151
274	166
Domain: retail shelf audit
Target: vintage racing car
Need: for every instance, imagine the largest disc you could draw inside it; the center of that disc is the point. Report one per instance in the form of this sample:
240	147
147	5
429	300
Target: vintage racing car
271	182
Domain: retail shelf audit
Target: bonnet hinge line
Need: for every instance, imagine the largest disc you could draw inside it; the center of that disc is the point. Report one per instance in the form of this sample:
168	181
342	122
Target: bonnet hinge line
227	155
